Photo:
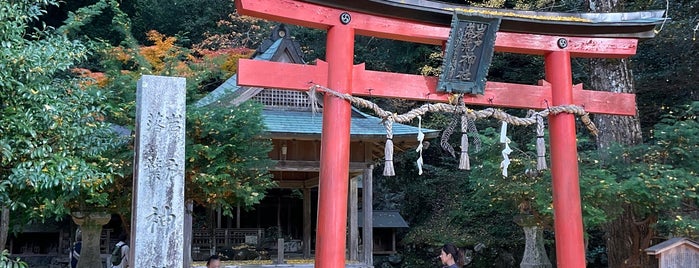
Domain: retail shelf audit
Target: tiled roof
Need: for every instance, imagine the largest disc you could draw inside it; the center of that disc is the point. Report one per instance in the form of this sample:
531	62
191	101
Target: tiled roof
307	123
672	243
383	219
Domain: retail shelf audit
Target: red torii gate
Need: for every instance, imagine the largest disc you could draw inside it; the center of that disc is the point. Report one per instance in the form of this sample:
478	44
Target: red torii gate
341	75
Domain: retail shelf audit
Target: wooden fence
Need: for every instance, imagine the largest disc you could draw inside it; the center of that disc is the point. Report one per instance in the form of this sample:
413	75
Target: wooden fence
205	242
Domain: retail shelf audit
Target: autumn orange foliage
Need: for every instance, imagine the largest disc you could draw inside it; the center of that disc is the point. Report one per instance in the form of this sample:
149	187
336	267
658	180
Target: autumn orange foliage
162	48
231	56
167	58
94	77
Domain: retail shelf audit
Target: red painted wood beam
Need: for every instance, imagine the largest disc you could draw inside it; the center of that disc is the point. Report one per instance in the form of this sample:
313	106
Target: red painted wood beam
580	47
418	87
323	17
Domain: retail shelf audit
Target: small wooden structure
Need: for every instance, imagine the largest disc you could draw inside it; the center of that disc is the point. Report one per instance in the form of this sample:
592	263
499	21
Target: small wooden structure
677	252
48	244
384	223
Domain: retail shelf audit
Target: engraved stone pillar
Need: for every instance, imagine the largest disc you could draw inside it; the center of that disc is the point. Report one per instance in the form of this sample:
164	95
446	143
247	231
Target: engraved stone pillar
158	191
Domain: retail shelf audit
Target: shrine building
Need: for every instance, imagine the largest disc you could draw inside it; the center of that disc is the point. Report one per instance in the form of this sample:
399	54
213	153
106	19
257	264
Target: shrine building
295	129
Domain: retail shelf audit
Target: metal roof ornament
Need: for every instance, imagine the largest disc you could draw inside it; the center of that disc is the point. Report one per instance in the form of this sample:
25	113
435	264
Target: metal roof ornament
468	54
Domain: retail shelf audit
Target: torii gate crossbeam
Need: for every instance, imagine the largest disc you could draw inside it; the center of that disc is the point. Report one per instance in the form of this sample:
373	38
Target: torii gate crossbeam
341	75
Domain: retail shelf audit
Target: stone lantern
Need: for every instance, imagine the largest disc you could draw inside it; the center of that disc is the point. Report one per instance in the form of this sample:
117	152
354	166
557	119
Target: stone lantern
91	226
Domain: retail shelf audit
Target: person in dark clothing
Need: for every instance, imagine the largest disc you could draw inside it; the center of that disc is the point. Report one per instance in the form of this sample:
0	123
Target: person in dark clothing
450	256
75	249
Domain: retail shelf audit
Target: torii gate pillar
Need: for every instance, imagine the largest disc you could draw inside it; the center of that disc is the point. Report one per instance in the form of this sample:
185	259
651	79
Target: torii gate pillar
334	151
570	251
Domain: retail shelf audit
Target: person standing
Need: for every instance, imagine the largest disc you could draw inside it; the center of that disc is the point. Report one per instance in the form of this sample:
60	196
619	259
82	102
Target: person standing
213	262
450	256
75	249
120	255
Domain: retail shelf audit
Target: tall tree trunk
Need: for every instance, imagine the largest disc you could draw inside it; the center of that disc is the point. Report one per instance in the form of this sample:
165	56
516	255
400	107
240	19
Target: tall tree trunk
626	236
4	226
614	75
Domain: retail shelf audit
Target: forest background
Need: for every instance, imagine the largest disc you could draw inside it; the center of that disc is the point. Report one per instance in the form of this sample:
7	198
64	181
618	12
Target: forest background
68	78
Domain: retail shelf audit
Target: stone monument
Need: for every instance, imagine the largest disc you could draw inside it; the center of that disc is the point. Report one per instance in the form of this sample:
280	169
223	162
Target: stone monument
157	222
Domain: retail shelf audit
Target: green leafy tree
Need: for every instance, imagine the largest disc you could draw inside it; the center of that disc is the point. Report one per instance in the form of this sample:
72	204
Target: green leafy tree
655	182
671	159
6	261
226	156
53	130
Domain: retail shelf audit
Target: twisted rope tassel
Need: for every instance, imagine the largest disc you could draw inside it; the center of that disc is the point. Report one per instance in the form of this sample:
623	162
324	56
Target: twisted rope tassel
314	98
540	146
474	134
505	152
420	139
464	162
444	142
388	169
585	118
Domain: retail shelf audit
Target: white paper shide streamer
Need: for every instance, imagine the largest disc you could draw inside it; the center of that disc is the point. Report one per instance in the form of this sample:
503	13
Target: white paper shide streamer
505	152
420	139
464	161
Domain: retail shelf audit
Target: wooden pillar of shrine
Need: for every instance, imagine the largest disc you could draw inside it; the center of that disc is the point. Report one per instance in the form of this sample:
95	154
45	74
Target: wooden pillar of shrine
368	211
352	220
307	223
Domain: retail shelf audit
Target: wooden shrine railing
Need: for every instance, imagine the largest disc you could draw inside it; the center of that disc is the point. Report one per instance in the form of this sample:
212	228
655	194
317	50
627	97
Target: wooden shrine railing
226	237
204	243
